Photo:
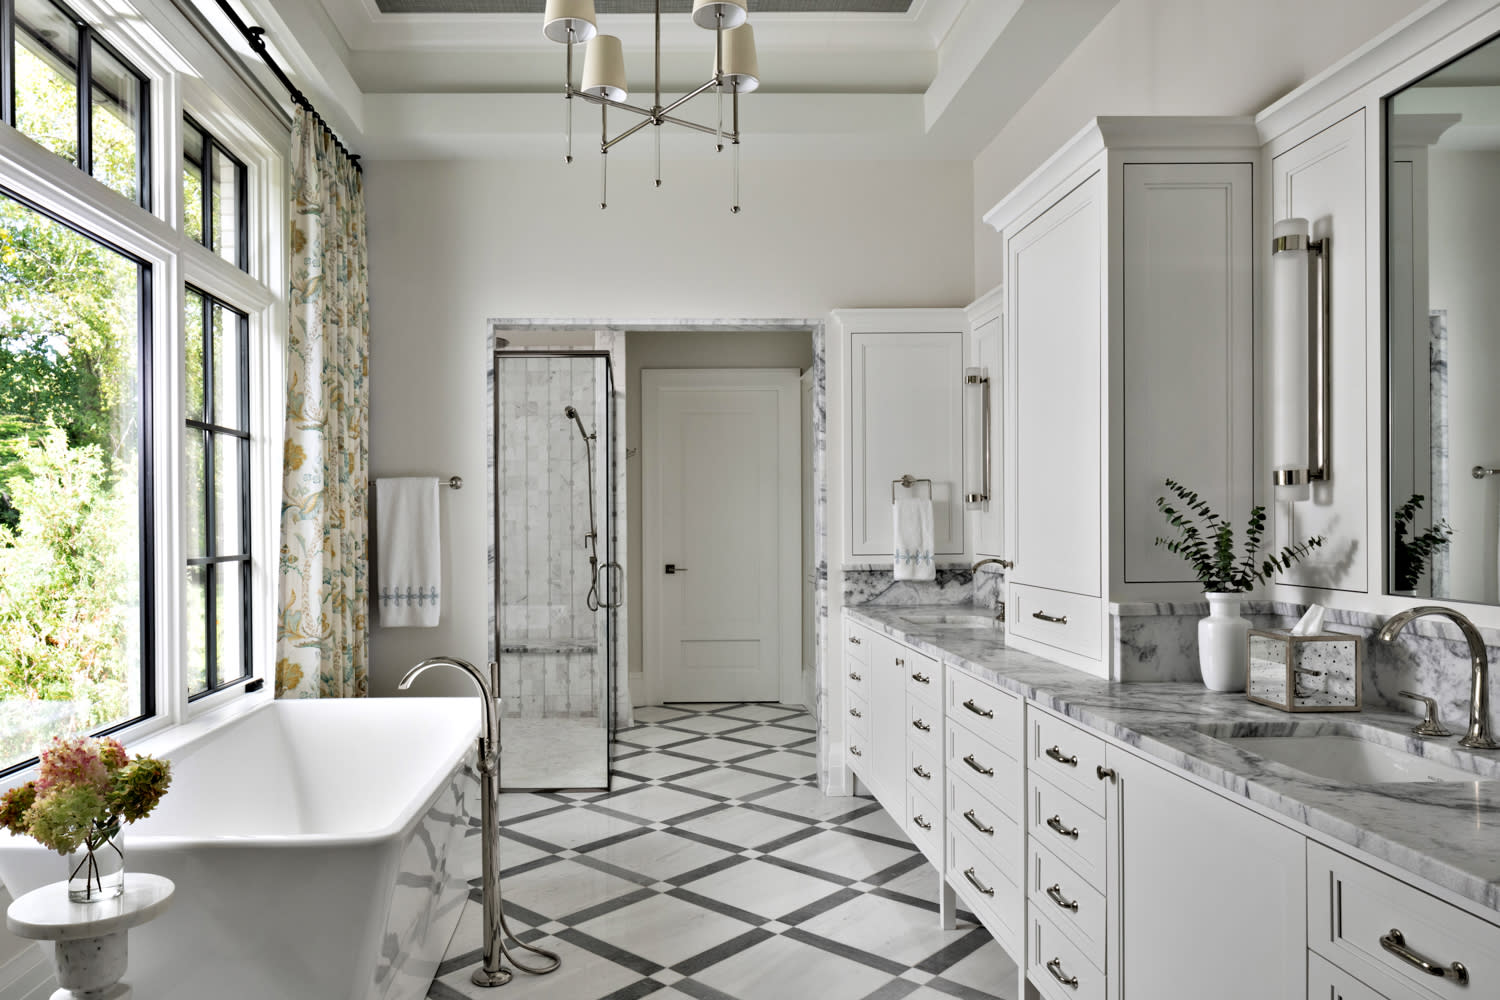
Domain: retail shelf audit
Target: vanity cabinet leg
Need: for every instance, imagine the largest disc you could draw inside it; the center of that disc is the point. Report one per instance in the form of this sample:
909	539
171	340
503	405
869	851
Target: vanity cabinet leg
947	905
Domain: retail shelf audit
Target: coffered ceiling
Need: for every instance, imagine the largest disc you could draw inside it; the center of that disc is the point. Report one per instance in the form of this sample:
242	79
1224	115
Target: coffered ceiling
923	79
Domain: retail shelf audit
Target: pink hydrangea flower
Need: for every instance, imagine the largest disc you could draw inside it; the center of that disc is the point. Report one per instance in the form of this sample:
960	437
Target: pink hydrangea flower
75	761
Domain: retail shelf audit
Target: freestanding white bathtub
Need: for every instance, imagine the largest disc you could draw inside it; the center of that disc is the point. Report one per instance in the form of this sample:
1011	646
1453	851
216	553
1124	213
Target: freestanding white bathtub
318	848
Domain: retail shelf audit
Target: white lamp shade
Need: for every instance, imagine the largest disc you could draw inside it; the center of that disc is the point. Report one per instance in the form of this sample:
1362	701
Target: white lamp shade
1290	351
741	68
565	14
604	69
706	13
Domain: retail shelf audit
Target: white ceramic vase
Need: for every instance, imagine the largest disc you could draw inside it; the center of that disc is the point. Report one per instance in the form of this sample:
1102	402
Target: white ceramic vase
1223	652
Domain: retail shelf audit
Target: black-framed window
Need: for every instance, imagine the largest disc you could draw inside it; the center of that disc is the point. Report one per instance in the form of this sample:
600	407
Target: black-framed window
217	341
50	59
76	529
215	203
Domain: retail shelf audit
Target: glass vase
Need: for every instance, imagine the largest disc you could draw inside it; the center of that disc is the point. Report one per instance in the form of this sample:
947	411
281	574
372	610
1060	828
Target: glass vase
96	871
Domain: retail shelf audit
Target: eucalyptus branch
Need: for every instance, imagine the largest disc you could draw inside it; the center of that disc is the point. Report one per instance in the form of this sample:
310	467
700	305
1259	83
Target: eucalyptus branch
1206	541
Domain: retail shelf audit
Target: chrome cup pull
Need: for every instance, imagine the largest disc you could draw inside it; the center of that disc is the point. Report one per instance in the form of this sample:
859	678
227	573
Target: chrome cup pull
969	874
988	831
1055	967
921	678
923	726
855	677
1395	943
1043	616
1054	893
982	712
988	772
922	772
1061	758
856	713
1056	824
921	822
856	751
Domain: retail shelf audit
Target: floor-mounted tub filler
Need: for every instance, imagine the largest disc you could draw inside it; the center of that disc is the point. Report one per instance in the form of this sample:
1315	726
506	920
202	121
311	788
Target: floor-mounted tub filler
320	849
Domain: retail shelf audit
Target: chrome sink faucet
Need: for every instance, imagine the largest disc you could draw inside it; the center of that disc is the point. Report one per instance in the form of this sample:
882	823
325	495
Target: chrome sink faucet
1478	736
999	594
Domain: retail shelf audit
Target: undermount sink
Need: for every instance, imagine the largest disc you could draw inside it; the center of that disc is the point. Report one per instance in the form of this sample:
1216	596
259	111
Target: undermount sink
949	621
1347	753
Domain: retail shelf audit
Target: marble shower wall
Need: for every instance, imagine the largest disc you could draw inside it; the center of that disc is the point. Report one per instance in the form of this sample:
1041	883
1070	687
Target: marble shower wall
553	661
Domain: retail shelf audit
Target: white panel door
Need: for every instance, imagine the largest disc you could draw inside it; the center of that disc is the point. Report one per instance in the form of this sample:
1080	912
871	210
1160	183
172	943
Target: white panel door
1323	181
985	345
1056	305
905	419
722	533
1188	344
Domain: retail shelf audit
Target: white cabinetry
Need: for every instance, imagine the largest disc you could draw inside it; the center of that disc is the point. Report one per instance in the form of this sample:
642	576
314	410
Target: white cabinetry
903	393
986	355
1128	332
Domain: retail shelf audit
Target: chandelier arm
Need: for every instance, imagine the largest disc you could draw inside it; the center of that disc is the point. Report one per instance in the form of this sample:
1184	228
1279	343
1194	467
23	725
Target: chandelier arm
700	128
685	98
596	99
632	130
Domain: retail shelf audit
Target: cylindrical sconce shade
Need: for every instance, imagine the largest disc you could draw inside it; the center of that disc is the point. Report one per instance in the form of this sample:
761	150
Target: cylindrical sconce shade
741	69
565	14
1290	349
604	69
706	13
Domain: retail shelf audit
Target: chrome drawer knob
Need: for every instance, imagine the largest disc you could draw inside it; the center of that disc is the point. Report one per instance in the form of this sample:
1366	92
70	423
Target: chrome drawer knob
855	677
856	713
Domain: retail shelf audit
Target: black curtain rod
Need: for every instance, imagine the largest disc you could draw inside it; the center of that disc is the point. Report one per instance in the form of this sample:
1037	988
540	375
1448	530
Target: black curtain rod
256	36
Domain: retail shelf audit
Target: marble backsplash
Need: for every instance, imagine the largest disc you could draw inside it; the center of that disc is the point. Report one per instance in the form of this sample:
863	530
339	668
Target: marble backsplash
872	583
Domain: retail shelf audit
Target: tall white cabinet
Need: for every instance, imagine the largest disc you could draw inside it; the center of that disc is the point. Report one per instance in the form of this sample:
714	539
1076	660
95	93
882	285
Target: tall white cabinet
1129	292
986	359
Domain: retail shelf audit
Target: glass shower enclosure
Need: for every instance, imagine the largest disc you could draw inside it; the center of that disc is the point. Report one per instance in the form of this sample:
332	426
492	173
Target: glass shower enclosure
556	580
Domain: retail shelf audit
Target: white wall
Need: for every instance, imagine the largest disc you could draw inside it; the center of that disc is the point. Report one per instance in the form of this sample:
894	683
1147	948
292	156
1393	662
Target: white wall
454	244
1171	57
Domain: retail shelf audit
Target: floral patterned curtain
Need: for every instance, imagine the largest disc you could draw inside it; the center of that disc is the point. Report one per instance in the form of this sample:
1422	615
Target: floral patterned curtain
322	637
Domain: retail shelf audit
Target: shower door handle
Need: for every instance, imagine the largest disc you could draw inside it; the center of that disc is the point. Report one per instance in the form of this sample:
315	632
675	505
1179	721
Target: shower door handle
674	568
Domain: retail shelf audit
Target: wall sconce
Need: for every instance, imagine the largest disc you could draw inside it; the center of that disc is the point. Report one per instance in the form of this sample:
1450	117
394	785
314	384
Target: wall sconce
1300	331
976	436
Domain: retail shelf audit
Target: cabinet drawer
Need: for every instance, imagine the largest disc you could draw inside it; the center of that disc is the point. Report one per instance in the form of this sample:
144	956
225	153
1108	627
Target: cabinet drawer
995	899
1326	981
993	714
857	643
856	712
1057	618
1074	905
1353	910
1073	833
857	678
995	833
1058	967
923	823
924	675
995	775
1067	756
924	726
923	770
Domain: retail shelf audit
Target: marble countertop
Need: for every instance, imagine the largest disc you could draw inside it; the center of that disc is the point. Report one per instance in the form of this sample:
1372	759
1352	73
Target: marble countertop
1447	833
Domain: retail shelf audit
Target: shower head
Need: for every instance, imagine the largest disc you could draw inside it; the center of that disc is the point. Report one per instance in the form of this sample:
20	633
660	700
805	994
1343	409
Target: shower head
570	413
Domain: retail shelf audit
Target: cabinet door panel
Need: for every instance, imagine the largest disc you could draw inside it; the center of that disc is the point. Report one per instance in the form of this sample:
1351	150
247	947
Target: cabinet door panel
985	344
1057	321
1211	894
888	725
906	420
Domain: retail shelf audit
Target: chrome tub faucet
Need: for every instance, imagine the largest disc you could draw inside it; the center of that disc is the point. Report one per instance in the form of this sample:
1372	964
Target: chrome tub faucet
1478	736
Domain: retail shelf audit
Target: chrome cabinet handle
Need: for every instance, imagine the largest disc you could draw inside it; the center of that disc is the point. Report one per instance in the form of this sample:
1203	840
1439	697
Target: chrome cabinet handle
988	772
1056	823
1057	755
921	678
856	751
969	874
1107	774
1055	967
1054	893
1395	943
988	831
921	822
856	713
854	639
922	772
855	677
1043	616
924	727
982	712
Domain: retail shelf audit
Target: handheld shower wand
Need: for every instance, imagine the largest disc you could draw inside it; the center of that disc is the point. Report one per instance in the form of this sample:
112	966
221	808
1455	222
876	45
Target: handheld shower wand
591	539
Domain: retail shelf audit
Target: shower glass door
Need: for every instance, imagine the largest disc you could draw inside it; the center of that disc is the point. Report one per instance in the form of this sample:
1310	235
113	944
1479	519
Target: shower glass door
555	577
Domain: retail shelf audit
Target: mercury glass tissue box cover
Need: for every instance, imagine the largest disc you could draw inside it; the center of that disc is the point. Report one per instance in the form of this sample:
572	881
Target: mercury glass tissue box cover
1305	673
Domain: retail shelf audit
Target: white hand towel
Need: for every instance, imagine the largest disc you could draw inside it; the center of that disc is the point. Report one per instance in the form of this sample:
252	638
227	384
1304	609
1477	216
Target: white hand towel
411	563
912	517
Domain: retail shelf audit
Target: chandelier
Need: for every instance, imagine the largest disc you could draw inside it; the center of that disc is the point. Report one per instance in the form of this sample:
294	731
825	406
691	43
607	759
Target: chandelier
735	70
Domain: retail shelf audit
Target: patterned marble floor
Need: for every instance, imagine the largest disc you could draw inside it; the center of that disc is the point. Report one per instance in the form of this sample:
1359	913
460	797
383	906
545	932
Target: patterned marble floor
715	869
553	753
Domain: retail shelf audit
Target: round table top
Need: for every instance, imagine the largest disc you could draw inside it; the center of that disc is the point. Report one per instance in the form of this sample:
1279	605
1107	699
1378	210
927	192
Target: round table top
46	914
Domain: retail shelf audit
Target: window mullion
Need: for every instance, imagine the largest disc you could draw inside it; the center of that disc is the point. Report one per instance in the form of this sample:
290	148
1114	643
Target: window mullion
85	100
8	61
208	190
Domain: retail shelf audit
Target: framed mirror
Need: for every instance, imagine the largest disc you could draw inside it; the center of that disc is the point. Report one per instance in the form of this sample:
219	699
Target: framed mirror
1443	332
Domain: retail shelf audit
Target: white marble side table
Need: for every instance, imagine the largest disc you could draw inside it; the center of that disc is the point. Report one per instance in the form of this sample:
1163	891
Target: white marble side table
90	937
